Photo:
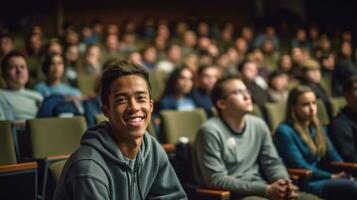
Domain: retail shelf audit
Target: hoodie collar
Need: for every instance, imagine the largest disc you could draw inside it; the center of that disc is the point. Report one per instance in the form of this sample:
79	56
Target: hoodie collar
101	138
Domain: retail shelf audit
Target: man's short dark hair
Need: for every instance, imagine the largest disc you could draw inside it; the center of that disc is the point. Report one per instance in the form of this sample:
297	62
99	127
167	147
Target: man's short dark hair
5	61
218	91
118	68
348	84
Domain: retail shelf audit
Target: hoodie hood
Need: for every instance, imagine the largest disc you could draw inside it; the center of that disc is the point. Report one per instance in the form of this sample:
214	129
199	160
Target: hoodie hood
101	138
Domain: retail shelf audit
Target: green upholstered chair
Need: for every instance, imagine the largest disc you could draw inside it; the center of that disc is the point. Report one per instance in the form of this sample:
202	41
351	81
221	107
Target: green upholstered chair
55	136
337	103
322	113
52	140
257	111
7	144
275	114
55	171
87	83
176	124
17	180
157	81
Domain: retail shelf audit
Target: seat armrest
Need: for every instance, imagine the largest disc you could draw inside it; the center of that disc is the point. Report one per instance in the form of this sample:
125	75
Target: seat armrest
300	172
300	176
344	164
169	148
222	194
349	167
55	158
18	167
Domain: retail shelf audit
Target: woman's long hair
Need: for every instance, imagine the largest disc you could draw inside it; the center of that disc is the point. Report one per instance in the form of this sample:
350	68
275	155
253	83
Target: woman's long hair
171	84
318	144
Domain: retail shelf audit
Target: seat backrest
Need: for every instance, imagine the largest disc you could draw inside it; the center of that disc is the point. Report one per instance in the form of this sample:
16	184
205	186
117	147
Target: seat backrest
337	103
7	145
157	80
100	118
56	170
176	124
55	136
322	113
87	83
275	114
256	111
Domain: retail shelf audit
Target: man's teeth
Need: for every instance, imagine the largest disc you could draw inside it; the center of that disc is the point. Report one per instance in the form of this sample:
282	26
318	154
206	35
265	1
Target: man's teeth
137	119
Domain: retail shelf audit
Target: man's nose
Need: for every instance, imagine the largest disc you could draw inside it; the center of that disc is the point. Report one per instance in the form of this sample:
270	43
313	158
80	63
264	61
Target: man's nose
133	105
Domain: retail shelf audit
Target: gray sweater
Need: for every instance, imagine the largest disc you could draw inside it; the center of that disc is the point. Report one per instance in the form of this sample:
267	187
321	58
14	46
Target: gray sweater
98	170
237	161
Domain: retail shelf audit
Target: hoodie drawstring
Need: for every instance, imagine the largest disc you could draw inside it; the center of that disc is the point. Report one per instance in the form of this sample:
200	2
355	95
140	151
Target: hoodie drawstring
137	180
128	179
138	183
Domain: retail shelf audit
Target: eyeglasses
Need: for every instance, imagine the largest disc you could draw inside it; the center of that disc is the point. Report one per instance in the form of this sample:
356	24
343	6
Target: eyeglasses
241	92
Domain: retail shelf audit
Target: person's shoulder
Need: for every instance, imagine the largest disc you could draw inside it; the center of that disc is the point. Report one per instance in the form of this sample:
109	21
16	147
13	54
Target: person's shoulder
213	127
86	162
85	169
343	116
33	94
285	128
212	123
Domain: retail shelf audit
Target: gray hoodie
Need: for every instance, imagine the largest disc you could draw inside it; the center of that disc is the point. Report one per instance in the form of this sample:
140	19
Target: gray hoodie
98	170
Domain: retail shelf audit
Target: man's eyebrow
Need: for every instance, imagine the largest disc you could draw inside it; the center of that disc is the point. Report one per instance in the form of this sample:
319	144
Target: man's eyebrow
126	94
120	94
141	92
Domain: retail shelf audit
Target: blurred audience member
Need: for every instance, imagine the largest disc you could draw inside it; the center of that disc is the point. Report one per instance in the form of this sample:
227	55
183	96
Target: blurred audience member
16	101
343	129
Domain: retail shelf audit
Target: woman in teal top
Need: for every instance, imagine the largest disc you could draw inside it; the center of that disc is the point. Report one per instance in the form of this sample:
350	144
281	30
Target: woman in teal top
302	143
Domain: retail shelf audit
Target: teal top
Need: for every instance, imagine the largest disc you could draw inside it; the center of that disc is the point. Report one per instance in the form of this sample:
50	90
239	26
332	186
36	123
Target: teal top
296	154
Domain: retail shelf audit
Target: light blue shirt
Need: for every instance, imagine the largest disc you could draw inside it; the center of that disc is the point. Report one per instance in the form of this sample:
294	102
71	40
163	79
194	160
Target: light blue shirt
19	104
60	89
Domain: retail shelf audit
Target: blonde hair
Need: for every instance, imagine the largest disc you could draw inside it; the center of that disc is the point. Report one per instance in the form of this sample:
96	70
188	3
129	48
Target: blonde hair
318	144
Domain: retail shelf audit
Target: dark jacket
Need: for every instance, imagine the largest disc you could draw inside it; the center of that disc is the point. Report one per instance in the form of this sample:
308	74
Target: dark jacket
343	133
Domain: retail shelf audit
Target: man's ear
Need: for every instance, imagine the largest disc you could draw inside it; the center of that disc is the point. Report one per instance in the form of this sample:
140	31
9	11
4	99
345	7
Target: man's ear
105	110
221	104
151	105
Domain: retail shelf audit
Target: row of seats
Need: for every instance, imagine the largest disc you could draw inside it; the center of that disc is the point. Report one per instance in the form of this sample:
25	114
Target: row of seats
53	139
49	140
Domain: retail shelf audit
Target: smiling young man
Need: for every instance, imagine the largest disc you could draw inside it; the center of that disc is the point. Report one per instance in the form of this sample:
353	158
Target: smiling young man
119	159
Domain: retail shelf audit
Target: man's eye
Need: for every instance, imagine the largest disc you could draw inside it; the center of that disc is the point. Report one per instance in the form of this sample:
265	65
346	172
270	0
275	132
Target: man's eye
121	100
141	98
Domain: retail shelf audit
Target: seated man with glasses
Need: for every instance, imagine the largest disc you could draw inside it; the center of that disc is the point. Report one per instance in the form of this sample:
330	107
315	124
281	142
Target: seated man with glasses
234	151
